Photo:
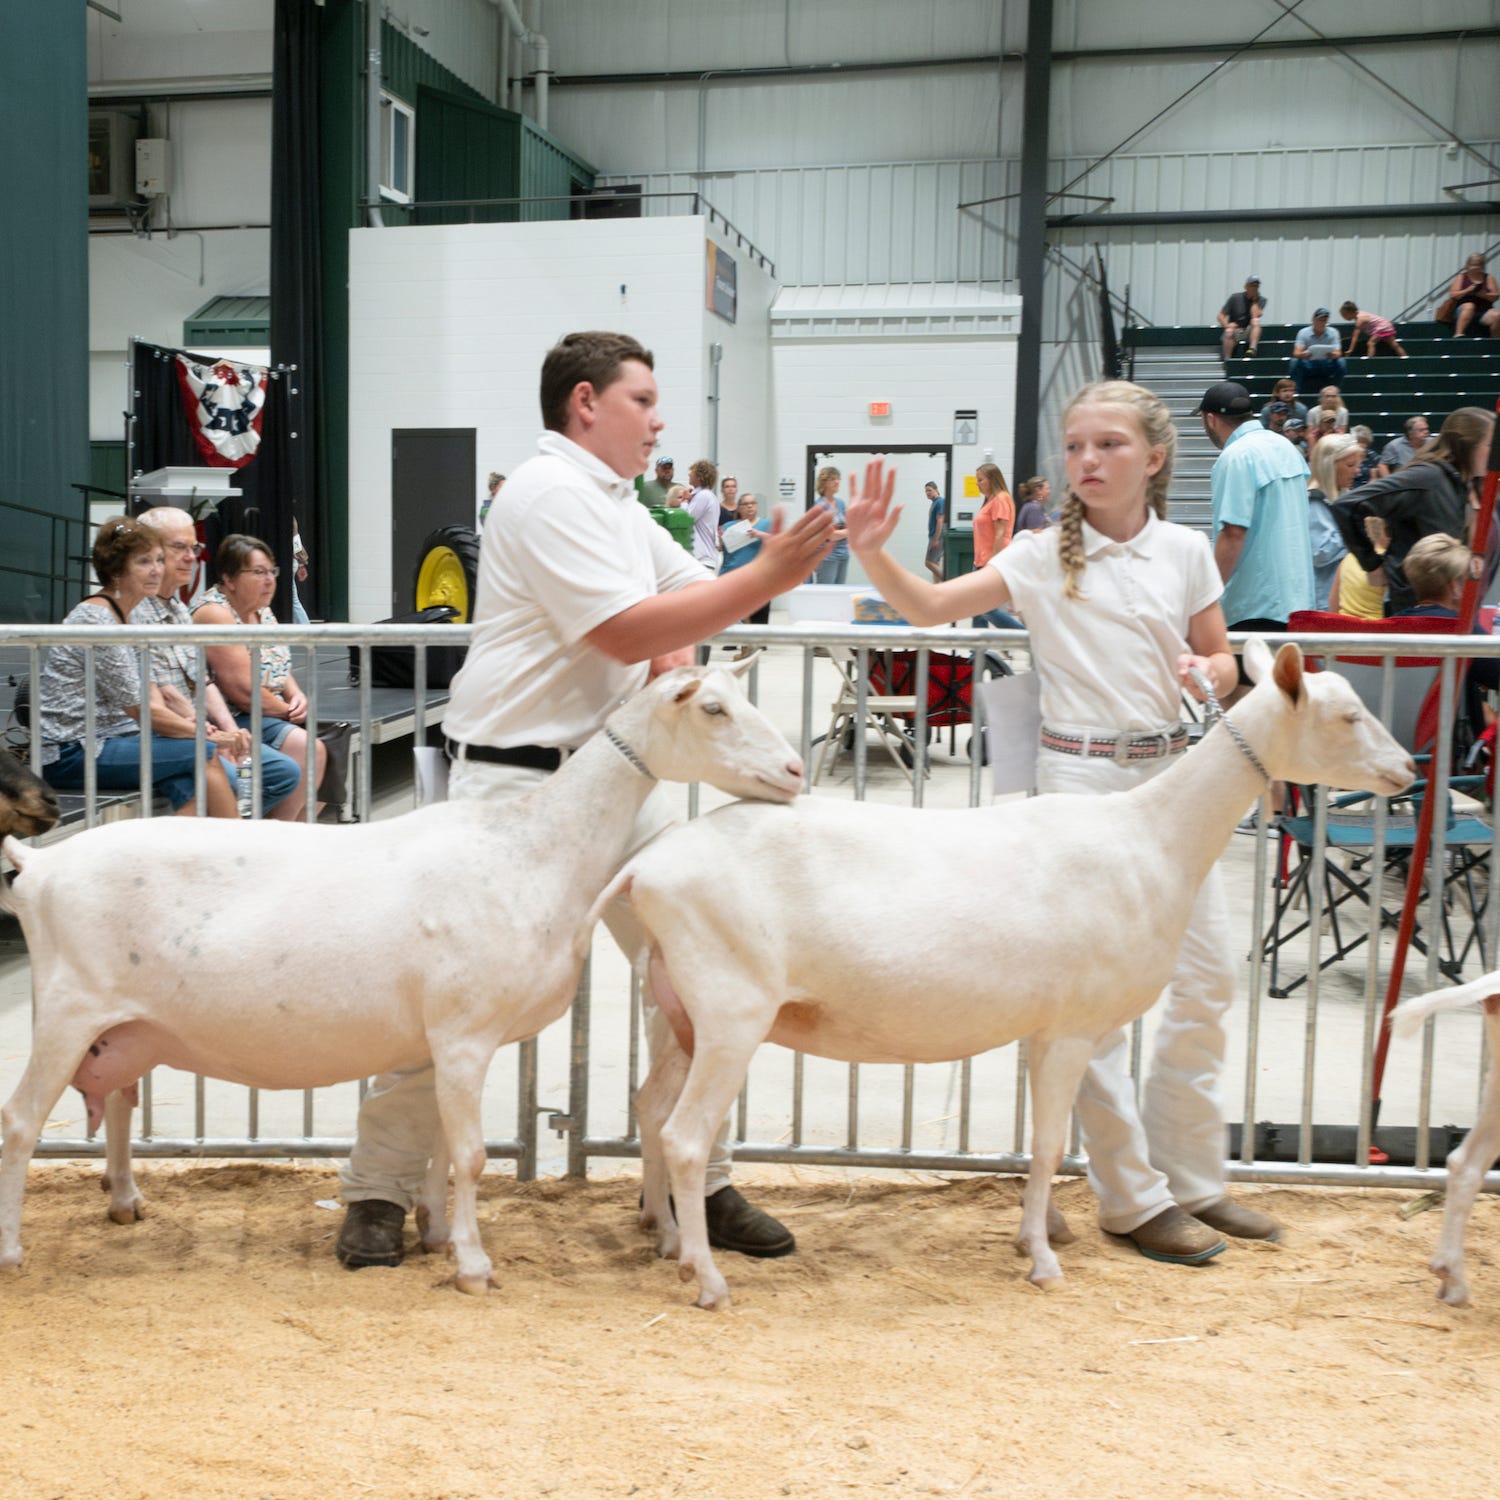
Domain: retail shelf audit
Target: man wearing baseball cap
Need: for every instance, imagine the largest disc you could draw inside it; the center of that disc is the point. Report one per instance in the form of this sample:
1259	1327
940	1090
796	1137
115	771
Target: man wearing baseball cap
654	491
1260	527
1317	358
1240	316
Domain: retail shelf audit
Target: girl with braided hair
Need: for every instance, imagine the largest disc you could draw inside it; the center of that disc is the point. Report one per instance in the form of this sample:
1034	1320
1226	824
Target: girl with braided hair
1122	606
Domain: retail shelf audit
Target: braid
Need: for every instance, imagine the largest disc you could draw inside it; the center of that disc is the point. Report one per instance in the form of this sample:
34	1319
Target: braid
1070	544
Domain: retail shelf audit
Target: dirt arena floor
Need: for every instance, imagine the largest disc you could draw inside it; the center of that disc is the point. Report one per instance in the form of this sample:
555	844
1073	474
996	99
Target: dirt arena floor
217	1350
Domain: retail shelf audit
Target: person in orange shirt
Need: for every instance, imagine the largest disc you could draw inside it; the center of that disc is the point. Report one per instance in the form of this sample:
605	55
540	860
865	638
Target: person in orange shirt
996	521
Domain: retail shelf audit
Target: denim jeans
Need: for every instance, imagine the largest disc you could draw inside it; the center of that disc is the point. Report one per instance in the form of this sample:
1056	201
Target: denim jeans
1313	374
832	570
118	766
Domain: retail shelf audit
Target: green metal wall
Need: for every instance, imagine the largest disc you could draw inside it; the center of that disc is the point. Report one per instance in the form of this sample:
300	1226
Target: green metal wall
44	372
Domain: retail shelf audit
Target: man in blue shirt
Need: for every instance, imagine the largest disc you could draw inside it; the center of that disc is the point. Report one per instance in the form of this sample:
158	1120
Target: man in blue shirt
1260	531
1317	355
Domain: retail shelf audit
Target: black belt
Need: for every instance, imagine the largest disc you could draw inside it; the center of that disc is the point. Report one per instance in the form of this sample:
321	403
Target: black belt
538	757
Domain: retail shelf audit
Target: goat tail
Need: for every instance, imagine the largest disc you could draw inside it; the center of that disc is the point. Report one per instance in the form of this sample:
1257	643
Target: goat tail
17	853
1407	1017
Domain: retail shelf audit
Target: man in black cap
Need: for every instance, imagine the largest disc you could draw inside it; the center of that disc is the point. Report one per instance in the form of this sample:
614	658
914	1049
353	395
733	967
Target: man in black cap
1260	525
1240	316
1317	355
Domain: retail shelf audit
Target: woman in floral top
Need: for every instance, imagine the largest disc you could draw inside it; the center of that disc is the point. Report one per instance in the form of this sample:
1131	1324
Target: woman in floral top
129	562
242	596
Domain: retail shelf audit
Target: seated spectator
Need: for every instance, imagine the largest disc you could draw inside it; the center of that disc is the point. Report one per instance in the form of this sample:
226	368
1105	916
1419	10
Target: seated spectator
1329	400
1471	294
242	596
1295	432
1274	416
743	539
1033	495
1367	460
1436	569
1431	494
1400	451
174	668
1240	317
1323	424
1316	353
130	563
1334	462
1285	391
1356	592
1379	333
937	525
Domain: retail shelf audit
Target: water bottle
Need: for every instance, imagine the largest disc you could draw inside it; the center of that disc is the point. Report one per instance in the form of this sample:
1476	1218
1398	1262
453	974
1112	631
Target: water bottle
245	783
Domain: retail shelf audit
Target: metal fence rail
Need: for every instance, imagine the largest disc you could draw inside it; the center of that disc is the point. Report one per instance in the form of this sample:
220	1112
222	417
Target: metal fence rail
1288	1052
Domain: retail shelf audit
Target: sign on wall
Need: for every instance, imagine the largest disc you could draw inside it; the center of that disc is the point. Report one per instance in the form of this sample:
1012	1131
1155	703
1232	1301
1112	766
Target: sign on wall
965	428
722	284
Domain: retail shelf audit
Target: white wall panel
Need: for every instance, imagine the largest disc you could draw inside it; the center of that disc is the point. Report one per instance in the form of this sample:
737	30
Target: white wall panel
449	326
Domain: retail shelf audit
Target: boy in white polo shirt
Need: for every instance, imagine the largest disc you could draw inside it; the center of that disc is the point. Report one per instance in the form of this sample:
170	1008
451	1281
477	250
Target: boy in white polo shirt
581	598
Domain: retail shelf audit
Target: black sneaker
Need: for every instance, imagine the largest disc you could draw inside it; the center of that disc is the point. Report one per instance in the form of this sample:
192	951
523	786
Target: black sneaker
372	1234
734	1224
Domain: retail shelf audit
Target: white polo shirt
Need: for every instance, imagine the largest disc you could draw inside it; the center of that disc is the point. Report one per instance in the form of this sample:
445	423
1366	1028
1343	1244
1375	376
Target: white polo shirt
567	546
1109	660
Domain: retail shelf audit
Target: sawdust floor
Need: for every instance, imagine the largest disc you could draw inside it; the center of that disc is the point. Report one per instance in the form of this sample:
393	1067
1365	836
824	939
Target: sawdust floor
217	1350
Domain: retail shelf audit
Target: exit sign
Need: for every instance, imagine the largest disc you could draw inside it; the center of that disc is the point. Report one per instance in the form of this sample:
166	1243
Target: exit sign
880	408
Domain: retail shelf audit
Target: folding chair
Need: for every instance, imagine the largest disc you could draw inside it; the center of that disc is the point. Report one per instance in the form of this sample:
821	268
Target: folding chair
883	711
1350	873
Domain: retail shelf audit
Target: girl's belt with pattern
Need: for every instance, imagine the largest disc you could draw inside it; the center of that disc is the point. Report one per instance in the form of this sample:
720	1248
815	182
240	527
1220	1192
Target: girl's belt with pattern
1119	747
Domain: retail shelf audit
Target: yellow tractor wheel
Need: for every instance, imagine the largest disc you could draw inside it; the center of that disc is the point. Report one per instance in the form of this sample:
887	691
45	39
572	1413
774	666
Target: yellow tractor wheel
448	572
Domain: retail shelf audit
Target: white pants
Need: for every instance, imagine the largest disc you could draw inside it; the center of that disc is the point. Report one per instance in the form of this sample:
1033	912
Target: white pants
399	1120
1172	1149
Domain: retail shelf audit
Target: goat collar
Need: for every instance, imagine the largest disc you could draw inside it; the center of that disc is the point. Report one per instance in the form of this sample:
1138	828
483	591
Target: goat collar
629	754
1217	712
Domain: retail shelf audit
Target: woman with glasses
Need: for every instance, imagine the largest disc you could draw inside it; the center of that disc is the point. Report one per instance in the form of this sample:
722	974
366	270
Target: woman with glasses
130	564
242	596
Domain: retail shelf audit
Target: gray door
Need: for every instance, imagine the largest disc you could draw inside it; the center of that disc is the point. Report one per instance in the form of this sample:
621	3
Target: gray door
432	485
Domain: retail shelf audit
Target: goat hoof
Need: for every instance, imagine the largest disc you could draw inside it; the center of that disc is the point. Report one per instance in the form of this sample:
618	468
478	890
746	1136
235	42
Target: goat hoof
476	1284
10	1260
433	1246
1058	1232
711	1301
127	1213
1047	1281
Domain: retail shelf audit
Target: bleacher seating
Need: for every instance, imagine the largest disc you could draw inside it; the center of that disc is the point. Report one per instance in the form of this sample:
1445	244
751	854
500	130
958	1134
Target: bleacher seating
1178	363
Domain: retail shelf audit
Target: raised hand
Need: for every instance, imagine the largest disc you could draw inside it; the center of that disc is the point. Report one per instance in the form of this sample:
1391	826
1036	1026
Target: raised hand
870	516
791	552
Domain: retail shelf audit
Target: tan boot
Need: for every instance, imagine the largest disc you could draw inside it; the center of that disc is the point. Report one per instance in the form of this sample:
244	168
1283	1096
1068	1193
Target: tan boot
1232	1218
1176	1238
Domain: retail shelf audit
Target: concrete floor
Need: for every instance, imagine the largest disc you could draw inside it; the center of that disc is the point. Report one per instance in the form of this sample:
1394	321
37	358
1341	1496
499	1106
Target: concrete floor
1291	1031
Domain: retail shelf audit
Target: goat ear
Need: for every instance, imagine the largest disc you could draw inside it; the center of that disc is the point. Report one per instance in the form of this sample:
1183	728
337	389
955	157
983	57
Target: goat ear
1288	671
685	690
1257	658
742	667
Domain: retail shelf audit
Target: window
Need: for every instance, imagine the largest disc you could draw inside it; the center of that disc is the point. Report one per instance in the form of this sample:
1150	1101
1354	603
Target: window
398	131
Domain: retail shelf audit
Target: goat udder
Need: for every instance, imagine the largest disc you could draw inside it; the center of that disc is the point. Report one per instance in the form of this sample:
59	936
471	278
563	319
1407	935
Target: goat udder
116	1060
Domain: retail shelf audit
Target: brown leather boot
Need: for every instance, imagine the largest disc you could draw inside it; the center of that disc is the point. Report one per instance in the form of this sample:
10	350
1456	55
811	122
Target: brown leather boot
1176	1238
1244	1223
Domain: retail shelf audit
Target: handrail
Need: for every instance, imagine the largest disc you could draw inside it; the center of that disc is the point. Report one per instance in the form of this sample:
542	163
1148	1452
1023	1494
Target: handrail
1428	295
603	195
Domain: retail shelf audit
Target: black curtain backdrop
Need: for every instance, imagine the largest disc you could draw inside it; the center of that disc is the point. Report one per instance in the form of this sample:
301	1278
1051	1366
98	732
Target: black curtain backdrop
296	272
163	436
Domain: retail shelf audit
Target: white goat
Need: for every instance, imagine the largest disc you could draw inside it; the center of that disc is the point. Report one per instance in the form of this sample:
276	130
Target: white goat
1478	1150
813	925
281	955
